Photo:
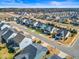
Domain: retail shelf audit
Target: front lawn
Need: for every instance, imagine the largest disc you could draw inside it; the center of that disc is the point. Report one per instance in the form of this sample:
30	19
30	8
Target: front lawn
4	54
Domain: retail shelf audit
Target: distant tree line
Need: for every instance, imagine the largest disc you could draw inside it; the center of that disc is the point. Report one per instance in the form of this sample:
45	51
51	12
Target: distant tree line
35	10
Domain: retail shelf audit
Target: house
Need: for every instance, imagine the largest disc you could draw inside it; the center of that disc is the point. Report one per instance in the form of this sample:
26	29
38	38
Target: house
75	22
49	29
74	17
23	21
13	18
4	26
43	26
58	36
55	57
32	24
32	51
8	35
27	53
37	24
5	29
1	24
18	21
63	19
41	51
62	33
28	22
19	41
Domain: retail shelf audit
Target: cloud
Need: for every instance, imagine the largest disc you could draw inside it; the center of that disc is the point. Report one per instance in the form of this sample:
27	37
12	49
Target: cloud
65	4
50	4
55	3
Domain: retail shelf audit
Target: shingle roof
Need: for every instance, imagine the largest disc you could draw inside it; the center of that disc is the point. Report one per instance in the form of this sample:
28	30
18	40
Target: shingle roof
40	48
63	31
29	51
55	57
7	34
18	38
48	28
41	51
5	29
43	26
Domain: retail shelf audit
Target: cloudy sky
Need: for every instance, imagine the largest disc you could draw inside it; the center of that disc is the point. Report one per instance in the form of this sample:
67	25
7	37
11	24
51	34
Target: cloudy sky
39	3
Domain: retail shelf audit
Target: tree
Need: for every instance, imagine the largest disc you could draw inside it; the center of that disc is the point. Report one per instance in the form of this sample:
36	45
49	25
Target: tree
39	42
48	52
74	31
11	50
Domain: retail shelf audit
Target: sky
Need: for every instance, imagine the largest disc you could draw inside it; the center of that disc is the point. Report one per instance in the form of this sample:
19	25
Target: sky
39	3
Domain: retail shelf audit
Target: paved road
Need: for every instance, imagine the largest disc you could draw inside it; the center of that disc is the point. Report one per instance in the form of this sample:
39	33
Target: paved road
73	51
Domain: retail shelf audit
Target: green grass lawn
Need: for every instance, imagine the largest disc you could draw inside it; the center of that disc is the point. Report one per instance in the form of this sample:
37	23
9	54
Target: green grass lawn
37	31
4	54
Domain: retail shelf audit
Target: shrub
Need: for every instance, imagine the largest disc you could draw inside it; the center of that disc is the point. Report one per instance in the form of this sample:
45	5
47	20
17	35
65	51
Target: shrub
39	42
11	50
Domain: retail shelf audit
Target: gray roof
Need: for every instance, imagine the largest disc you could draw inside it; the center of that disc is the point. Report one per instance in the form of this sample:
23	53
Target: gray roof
28	53
12	44
5	29
18	38
63	31
43	26
41	51
55	57
7	34
49	28
31	51
40	48
1	32
1	25
38	24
